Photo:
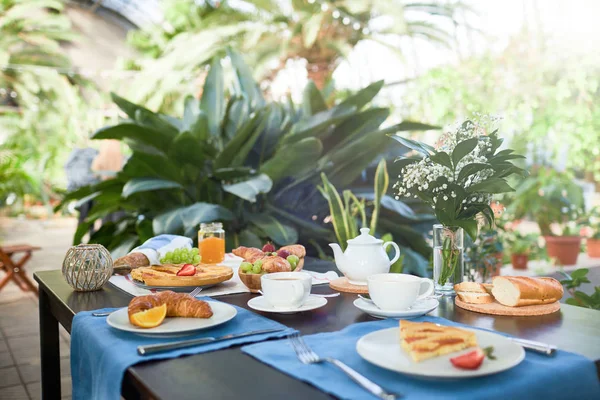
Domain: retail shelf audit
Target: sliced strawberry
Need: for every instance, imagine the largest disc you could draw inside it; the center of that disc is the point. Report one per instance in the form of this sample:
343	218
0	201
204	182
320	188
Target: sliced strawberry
187	270
470	360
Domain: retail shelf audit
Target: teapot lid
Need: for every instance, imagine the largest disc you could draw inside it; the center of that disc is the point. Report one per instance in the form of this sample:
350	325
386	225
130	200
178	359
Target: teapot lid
365	238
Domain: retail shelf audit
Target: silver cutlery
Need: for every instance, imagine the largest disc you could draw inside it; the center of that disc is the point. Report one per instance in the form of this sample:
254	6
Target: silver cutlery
307	356
156	348
193	293
538	347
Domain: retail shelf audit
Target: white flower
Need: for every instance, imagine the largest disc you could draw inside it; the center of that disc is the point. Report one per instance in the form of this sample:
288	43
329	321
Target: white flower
444	186
453	194
445	198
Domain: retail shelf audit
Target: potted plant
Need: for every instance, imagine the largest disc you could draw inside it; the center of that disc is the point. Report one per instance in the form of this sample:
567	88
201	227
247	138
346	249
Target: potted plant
555	202
592	232
520	246
457	178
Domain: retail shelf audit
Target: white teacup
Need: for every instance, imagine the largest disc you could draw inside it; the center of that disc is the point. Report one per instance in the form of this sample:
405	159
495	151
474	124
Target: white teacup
397	291
285	290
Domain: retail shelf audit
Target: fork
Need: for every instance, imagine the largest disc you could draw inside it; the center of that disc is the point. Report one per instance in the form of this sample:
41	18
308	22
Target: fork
193	293
307	356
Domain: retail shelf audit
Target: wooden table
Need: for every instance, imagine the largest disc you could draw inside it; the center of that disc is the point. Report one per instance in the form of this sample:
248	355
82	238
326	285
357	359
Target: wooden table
231	374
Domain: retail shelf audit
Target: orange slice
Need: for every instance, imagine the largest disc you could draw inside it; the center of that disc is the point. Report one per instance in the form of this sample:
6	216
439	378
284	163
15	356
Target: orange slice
150	318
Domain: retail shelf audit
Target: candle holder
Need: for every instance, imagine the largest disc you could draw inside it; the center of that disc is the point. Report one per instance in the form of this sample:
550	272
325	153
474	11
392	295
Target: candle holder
87	267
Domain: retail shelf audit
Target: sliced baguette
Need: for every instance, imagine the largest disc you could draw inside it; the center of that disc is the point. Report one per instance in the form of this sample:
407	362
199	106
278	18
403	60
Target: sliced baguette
473	287
519	291
475	298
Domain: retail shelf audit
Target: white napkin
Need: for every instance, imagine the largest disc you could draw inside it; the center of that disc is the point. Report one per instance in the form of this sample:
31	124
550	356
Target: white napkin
232	286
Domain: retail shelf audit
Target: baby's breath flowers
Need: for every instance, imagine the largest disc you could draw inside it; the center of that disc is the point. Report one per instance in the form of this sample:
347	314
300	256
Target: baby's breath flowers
458	176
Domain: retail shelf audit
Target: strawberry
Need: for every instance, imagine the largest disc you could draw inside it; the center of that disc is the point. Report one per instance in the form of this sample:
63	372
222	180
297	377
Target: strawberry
470	360
268	248
283	253
187	270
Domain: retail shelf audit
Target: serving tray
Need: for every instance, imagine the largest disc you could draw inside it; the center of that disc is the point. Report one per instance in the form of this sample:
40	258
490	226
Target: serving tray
496	308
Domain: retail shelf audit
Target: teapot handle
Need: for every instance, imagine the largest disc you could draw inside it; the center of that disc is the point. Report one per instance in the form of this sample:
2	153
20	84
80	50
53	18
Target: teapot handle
397	256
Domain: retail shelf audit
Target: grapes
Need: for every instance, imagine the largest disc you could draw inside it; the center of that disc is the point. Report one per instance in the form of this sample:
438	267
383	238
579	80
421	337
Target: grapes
246	266
182	256
176	259
197	259
293	260
195	251
257	268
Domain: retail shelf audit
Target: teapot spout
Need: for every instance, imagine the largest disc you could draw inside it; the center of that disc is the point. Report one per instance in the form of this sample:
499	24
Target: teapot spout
340	258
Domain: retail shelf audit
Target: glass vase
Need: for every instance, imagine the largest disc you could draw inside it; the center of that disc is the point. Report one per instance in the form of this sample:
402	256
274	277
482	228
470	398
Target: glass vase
448	258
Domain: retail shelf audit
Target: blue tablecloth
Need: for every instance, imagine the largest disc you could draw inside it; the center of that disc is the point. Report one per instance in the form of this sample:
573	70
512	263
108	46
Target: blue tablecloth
100	355
564	376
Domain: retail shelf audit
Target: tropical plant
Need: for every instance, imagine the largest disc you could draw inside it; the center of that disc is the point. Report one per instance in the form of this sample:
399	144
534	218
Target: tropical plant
579	298
350	211
271	32
552	199
236	159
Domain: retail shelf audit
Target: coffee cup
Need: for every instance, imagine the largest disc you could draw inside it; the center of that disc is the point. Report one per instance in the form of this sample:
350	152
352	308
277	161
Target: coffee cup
398	291
285	290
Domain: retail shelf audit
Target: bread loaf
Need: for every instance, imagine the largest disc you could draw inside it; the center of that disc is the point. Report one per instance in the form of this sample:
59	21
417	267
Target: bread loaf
475	298
518	291
470	287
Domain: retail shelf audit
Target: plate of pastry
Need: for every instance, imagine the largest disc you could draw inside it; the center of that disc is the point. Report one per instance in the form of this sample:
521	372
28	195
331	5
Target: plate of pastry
429	350
180	278
170	314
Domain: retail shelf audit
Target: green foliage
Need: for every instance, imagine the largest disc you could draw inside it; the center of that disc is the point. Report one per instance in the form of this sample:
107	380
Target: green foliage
518	243
255	168
549	197
579	298
481	255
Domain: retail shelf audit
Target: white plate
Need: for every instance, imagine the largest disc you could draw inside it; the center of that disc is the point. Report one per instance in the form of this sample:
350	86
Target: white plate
222	312
260	304
420	307
382	348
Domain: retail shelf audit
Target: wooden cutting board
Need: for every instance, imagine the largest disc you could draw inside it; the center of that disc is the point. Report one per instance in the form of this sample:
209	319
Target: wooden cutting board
343	285
498	309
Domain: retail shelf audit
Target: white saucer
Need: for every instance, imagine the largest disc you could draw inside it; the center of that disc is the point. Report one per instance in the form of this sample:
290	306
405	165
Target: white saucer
421	307
260	304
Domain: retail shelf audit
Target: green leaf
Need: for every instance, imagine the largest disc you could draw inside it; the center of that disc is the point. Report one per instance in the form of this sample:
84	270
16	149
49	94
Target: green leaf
382	181
244	238
281	234
413	144
462	149
470	227
177	220
291	160
313	101
404	161
471	169
245	80
250	188
128	107
187	149
363	96
190	113
226	174
148	184
311	29
316	124
213	96
337	212
414	126
233	148
442	158
136	133
200	128
492	185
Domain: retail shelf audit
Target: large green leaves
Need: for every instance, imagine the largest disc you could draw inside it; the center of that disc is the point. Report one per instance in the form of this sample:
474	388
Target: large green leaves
250	188
422	148
183	219
272	227
293	159
462	149
313	101
248	86
235	151
339	219
148	184
135	132
492	185
213	100
311	29
363	96
382	181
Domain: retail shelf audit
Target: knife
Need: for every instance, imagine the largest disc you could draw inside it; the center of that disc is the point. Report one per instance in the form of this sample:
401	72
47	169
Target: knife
159	347
538	347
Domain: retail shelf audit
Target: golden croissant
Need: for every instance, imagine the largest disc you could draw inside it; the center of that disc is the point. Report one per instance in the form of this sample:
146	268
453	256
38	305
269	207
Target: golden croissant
178	305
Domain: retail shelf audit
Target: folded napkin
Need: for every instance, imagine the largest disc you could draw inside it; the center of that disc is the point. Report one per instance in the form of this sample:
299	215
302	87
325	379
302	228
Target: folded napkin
564	376
100	355
232	286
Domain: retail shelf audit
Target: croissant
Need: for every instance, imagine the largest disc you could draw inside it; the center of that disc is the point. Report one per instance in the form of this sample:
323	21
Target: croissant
296	249
178	305
275	264
249	254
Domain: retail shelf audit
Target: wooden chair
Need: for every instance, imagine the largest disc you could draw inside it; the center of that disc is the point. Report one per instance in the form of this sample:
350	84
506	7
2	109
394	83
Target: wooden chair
15	270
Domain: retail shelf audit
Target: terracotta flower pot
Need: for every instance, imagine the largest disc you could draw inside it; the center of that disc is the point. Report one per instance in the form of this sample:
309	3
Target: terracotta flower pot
519	261
593	248
564	248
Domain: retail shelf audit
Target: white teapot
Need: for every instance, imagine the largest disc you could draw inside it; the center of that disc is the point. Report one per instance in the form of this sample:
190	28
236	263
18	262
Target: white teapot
365	256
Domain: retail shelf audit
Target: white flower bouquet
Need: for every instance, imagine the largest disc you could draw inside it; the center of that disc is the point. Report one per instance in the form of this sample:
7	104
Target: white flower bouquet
458	178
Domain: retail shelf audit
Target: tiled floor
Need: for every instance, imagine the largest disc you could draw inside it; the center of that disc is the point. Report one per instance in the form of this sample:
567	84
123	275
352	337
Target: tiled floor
19	325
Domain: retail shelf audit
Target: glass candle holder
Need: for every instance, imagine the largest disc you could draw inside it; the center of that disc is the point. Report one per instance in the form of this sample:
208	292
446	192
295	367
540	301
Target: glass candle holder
87	267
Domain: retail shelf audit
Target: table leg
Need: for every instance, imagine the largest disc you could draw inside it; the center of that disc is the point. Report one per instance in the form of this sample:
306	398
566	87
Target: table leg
49	350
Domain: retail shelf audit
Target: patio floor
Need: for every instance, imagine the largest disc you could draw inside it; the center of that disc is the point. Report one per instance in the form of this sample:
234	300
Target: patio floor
19	326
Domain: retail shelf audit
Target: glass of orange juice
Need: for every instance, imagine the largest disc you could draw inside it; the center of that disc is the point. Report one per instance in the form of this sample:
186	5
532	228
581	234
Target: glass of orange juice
211	243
